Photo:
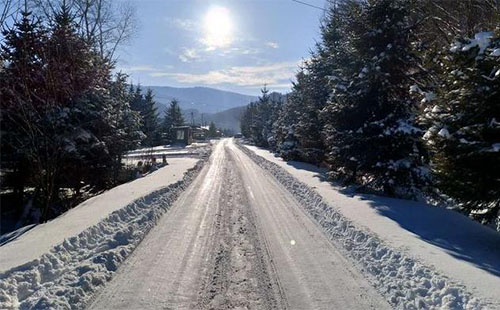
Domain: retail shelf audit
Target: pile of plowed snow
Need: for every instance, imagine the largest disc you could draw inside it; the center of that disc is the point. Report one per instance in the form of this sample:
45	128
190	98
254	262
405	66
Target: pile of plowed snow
68	275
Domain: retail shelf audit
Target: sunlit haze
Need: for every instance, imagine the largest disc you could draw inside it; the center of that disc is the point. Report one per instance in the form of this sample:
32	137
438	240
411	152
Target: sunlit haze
218	28
230	45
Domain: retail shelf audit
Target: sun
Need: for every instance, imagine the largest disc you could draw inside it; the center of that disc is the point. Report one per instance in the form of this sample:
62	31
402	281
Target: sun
218	28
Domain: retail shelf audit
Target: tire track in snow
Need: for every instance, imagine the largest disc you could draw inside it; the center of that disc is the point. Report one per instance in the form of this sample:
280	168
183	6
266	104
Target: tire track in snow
239	273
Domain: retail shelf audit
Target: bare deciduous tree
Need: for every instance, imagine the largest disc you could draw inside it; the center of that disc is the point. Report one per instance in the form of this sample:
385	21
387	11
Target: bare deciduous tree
448	19
8	9
106	24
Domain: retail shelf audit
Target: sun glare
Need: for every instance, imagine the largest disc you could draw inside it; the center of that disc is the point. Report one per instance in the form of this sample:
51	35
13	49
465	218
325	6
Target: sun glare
218	28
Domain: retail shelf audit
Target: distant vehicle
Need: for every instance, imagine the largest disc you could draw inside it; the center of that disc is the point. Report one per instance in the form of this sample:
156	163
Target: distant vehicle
238	135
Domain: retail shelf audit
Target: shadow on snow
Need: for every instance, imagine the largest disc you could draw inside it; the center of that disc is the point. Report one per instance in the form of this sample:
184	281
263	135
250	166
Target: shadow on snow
461	237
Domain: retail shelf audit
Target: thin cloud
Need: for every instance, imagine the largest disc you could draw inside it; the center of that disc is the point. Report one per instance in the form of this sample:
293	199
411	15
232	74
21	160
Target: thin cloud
240	51
183	24
140	68
189	55
272	44
200	54
248	76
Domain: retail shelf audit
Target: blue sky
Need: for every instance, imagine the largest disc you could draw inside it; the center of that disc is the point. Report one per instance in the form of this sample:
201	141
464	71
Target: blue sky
234	45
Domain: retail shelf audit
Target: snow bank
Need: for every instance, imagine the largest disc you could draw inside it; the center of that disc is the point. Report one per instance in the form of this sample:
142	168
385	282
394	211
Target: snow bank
40	239
66	276
407	281
170	152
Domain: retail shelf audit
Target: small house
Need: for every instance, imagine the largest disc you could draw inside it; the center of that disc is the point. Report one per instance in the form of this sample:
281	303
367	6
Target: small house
182	135
200	133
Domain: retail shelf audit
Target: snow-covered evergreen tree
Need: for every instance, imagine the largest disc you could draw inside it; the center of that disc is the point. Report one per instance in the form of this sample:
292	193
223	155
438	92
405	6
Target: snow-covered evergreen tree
259	119
285	141
57	92
173	117
21	55
145	105
247	119
300	130
464	125
212	130
261	126
370	127
150	118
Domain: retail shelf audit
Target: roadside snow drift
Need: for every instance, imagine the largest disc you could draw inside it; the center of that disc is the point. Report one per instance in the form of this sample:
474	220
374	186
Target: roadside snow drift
43	237
406	282
68	275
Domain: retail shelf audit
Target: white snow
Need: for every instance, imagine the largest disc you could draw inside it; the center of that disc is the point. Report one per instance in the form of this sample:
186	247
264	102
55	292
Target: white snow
495	52
481	40
43	237
465	141
194	149
413	251
495	147
436	109
444	133
431	131
429	96
415	89
406	128
60	264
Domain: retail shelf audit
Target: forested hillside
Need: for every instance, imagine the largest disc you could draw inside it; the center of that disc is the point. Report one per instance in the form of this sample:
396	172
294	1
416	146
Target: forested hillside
401	98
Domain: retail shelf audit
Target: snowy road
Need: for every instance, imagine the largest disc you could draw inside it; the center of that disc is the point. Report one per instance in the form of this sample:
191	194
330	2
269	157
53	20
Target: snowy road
237	239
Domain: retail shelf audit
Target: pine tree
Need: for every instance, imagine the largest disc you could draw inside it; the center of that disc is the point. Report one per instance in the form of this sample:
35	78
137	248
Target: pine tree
150	119
67	116
21	53
145	106
261	127
299	128
173	117
259	119
137	98
305	102
464	125
212	130
247	119
371	131
286	142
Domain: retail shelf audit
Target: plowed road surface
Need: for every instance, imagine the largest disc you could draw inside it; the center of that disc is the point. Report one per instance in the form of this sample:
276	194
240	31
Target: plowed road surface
237	239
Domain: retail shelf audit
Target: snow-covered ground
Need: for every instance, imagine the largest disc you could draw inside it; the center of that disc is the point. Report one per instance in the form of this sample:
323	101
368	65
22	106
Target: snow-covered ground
193	148
226	243
417	255
196	149
60	263
320	245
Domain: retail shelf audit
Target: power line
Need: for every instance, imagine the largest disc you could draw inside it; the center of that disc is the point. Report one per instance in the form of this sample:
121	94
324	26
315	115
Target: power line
310	5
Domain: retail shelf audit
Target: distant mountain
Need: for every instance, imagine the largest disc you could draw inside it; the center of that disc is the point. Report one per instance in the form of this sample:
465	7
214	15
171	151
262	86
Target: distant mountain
203	99
202	105
228	119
